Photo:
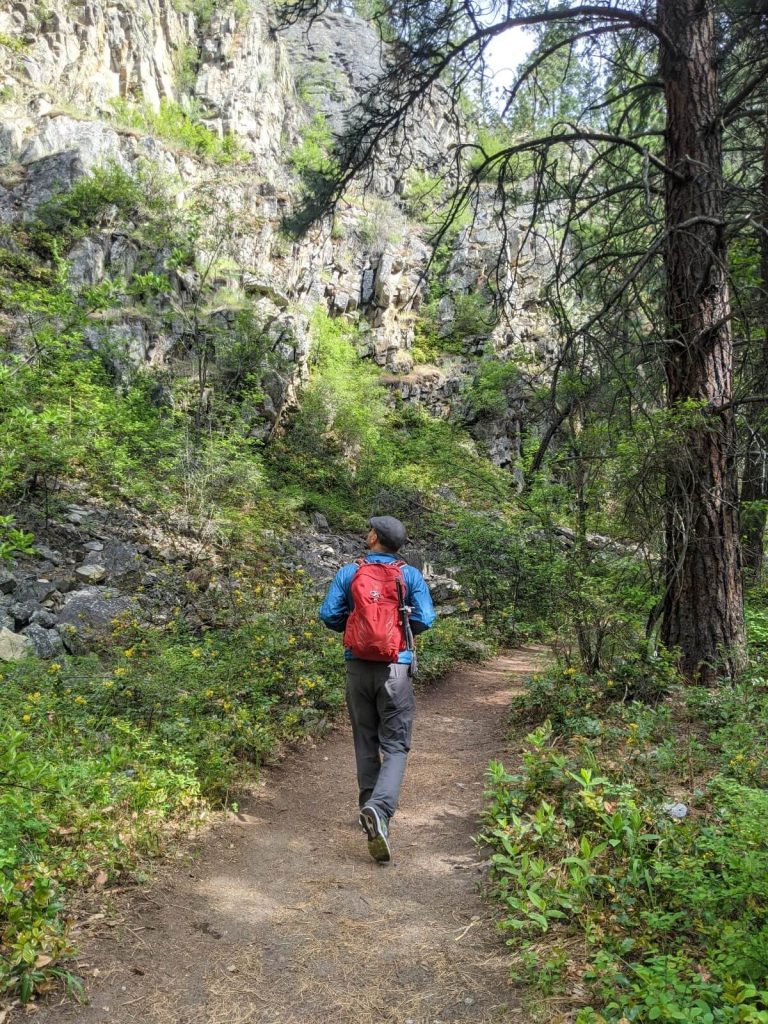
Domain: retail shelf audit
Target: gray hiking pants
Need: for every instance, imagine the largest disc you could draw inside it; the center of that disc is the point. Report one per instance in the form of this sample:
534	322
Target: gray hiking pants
381	708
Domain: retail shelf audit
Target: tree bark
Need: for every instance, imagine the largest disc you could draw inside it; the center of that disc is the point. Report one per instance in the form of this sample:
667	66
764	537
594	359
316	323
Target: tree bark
703	602
754	485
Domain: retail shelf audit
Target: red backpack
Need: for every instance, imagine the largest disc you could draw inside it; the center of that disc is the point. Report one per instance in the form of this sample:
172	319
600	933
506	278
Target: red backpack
374	630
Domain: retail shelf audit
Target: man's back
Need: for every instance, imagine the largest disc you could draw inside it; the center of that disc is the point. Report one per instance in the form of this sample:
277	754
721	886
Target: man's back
339	602
379	602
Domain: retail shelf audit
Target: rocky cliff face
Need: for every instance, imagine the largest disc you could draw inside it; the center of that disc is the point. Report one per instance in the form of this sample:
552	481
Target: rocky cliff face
88	85
213	121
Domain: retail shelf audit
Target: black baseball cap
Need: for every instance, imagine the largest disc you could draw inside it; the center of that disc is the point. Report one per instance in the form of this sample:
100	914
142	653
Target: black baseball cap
390	531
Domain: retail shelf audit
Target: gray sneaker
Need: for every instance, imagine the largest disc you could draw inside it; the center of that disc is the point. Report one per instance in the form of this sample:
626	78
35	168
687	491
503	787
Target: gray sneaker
375	825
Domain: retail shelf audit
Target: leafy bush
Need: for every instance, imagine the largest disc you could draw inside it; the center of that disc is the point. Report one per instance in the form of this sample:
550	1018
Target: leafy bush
180	126
452	640
756	615
61	412
425	197
380	224
81	206
311	156
470	317
486	395
13	541
12	43
562	694
672	914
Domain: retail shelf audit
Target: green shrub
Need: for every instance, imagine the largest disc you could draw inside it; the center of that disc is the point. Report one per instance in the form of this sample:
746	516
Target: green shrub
424	197
61	413
487	393
311	156
452	640
12	43
380	224
180	126
81	207
472	318
756	615
13	541
672	914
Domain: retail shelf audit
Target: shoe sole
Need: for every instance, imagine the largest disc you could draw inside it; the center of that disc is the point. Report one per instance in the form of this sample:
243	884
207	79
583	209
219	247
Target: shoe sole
378	844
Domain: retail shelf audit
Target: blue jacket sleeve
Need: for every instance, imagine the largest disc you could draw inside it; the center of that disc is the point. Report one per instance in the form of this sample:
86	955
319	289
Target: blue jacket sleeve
335	609
420	599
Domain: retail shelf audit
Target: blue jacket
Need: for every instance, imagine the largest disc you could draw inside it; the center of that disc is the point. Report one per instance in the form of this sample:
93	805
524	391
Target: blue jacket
337	605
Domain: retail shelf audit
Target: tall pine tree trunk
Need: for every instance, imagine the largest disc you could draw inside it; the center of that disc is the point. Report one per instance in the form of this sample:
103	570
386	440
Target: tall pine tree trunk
703	606
754	485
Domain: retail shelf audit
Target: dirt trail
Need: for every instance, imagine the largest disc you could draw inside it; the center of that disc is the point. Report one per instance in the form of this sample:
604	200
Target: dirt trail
282	918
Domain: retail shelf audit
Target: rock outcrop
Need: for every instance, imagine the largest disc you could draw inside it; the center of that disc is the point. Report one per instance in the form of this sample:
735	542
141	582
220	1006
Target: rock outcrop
95	85
79	70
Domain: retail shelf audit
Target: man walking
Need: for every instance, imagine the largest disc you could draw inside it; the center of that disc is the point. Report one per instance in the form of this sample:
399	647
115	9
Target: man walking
379	602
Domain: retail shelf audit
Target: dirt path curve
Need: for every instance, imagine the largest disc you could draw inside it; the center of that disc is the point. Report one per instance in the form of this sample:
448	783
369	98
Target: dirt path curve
282	918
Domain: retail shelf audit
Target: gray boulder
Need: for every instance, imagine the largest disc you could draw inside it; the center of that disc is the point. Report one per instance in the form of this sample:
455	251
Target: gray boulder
91	573
13	646
86	262
43	618
34	590
49	554
7	582
87	616
676	810
121	561
22	612
443	588
46	642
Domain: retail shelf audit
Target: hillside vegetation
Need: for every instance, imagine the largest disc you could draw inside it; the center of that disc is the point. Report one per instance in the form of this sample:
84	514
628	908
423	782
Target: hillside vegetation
237	320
